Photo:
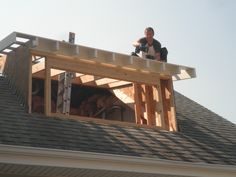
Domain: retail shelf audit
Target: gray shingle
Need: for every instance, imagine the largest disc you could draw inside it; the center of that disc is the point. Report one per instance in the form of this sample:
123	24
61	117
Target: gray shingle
204	136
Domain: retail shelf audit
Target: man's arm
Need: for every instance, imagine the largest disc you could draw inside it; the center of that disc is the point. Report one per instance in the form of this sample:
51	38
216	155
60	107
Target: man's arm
139	42
136	43
158	56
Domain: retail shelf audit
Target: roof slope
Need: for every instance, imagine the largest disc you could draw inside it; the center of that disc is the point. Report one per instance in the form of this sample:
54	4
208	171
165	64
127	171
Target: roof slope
204	136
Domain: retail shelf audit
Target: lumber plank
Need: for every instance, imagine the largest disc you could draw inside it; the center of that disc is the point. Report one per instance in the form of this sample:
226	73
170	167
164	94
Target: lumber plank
30	85
159	113
61	48
38	67
103	71
137	104
2	62
172	120
149	105
118	84
168	104
95	56
47	89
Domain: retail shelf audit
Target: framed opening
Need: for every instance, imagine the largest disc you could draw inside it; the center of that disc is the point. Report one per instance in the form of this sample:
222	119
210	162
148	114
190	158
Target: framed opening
90	96
86	95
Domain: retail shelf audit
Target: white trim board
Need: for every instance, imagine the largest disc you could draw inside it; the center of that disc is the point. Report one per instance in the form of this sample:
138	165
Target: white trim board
117	163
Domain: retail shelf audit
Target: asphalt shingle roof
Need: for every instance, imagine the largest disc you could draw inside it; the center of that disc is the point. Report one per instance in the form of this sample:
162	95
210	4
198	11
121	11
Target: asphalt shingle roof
203	137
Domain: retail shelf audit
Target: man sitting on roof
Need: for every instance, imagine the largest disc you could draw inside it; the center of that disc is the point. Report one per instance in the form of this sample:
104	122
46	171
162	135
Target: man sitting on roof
149	47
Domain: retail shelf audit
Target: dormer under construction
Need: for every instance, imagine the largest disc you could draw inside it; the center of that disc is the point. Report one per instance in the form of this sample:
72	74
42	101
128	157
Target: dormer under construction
62	79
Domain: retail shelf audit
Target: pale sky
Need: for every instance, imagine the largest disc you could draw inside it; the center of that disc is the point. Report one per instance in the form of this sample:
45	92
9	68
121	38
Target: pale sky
197	33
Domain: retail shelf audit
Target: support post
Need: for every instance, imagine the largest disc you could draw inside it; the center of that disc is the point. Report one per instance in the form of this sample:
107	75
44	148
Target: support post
137	103
47	89
30	85
64	86
149	103
168	104
159	113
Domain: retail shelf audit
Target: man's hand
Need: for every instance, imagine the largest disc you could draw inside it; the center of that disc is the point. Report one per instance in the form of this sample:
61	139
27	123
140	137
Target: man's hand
136	43
158	56
143	48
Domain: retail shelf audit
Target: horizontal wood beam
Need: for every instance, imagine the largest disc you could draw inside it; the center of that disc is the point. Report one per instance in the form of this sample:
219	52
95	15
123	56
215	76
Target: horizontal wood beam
103	81
97	81
90	80
98	69
38	70
185	73
37	67
86	80
7	41
2	62
118	84
88	54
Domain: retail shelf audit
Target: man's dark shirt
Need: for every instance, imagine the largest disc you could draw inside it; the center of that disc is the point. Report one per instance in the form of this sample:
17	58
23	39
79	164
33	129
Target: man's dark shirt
156	44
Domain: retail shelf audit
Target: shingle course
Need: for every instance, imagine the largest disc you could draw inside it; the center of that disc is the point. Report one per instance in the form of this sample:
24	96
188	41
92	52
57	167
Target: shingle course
204	136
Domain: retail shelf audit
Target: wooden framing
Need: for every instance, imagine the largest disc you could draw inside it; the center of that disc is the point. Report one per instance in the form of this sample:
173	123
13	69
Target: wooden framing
168	104
154	105
30	86
158	104
17	71
44	47
149	104
2	62
138	103
152	93
38	71
47	89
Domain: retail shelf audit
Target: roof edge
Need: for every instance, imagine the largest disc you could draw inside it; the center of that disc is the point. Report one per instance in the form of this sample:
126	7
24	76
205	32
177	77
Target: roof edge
10	154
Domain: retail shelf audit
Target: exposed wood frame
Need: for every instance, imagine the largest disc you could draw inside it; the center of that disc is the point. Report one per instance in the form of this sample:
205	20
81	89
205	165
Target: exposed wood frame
30	86
137	103
104	81
149	104
2	62
159	113
47	89
168	104
118	84
166	89
148	92
37	67
173	123
38	71
44	45
98	82
68	64
158	110
164	69
100	68
16	69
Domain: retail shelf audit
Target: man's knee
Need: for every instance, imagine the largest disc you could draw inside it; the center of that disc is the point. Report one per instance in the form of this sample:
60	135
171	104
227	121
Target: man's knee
164	53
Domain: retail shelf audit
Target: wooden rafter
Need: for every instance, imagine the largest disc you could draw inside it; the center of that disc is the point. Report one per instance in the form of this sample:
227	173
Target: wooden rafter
38	71
43	46
2	62
168	104
152	94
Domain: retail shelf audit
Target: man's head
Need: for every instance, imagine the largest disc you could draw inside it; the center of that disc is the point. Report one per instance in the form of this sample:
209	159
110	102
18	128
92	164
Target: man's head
149	33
